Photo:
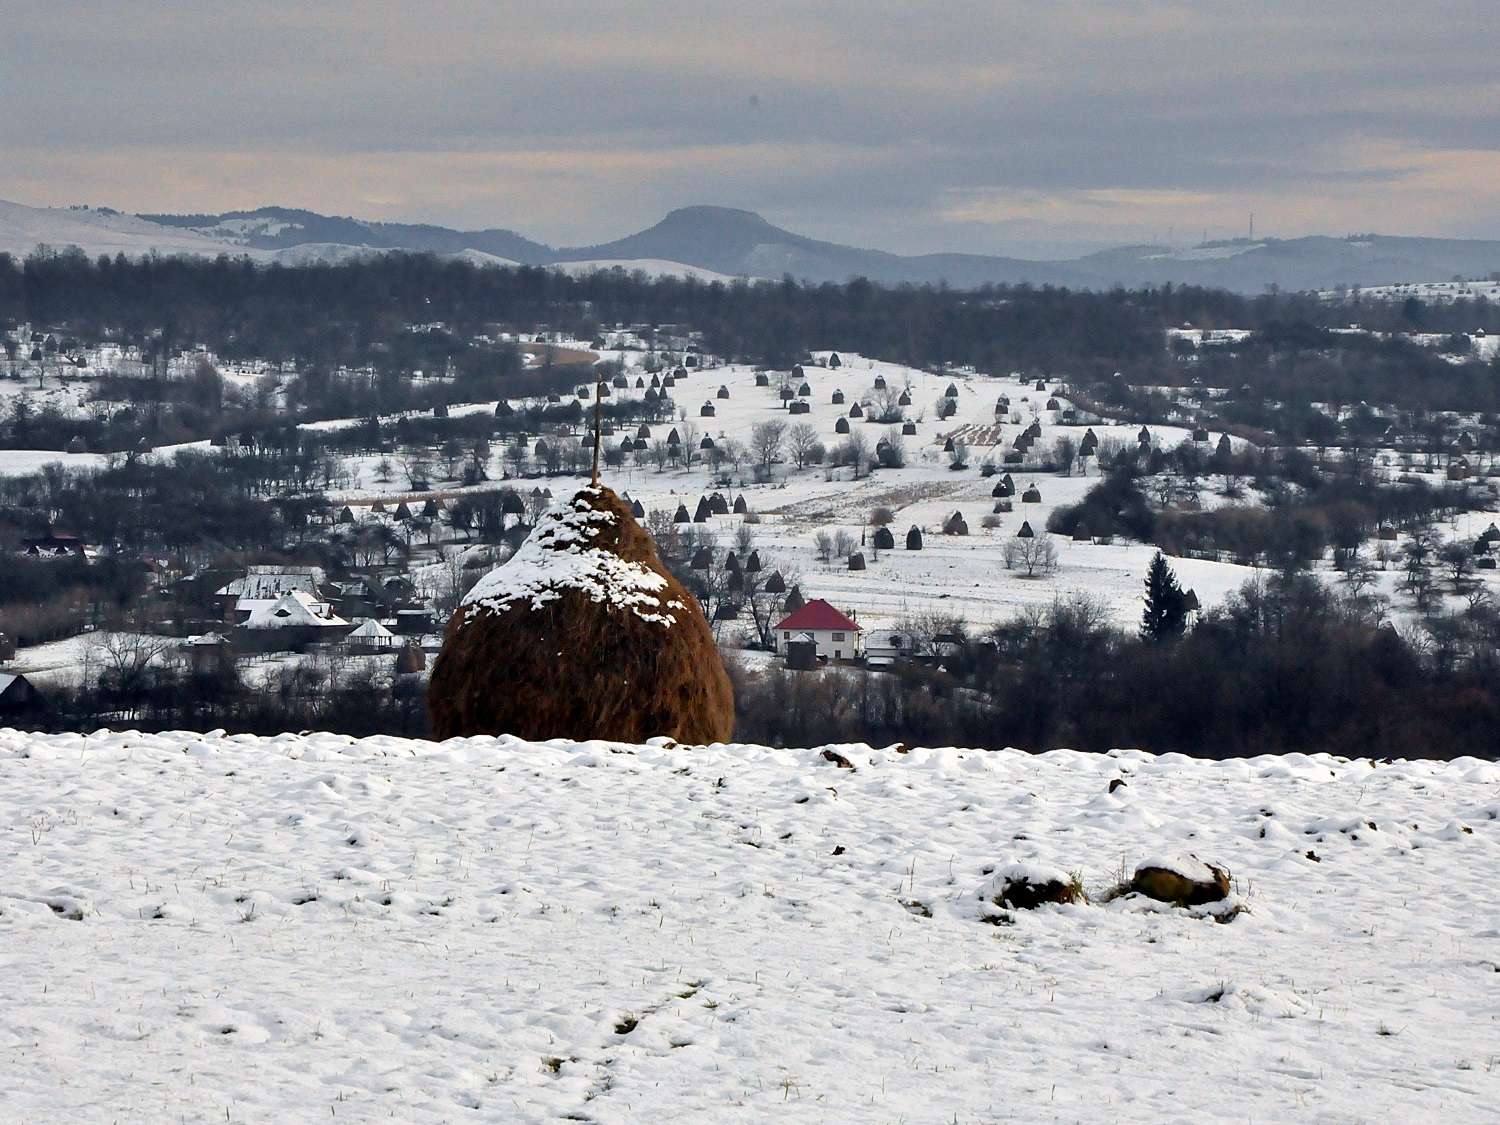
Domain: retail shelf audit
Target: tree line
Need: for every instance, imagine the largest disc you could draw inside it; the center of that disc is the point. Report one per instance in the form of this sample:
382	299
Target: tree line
360	315
1286	664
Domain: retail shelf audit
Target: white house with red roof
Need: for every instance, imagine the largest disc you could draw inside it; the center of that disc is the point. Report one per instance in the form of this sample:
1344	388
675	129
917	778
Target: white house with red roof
835	635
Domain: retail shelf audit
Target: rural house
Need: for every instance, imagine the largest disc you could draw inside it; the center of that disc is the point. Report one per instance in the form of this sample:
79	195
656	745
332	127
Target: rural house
289	624
53	545
885	648
834	635
263	586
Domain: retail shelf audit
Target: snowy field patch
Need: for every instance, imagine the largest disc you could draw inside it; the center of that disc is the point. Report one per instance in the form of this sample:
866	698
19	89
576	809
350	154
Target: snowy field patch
318	928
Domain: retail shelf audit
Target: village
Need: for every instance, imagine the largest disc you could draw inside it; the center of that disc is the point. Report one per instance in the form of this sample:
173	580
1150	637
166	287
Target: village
844	511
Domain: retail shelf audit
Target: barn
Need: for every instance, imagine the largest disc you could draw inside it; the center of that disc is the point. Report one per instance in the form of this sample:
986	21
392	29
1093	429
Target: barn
17	695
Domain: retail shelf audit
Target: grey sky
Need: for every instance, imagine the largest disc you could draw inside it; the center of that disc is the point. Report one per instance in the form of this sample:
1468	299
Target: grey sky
910	126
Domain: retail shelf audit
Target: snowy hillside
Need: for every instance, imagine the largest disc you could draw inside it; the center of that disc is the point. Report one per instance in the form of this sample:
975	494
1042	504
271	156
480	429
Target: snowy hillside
314	928
651	267
963	576
97	232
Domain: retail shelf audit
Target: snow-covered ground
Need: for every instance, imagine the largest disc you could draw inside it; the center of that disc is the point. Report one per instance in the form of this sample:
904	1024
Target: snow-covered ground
314	928
962	576
25	462
959	575
652	267
1439	292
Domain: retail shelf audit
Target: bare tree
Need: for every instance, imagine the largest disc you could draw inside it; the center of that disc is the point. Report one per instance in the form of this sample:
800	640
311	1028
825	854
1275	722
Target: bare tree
884	404
1359	574
1458	564
449	582
124	661
688	432
516	455
1163	488
800	441
855	452
1065	452
416	466
764	605
766	439
734	452
1031	556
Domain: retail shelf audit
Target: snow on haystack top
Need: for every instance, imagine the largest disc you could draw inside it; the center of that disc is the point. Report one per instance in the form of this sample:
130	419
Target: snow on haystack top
1188	866
559	556
1024	871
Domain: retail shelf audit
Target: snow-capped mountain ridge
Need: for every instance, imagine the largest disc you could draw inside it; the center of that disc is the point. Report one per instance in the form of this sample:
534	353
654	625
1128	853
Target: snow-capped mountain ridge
713	243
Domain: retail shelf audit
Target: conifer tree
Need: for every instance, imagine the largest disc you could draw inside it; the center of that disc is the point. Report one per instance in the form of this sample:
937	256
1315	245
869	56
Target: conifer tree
1166	611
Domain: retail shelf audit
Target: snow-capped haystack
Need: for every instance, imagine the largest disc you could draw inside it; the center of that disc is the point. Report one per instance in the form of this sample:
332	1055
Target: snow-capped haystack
1184	880
1026	886
582	634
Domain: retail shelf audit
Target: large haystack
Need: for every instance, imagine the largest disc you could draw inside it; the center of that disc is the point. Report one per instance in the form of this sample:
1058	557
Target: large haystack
581	634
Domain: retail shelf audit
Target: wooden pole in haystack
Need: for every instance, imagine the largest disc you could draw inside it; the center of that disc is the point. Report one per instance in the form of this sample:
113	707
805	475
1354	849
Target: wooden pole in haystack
598	417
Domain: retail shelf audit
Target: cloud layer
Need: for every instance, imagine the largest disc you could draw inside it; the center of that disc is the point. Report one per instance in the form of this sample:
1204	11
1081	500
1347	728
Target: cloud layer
911	126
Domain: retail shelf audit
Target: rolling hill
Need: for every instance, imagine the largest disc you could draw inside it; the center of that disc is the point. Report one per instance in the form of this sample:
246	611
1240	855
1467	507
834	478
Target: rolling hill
727	242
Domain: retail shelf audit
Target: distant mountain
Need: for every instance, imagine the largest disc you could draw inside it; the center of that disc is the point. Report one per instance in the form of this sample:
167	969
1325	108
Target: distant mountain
280	228
1315	262
742	243
715	242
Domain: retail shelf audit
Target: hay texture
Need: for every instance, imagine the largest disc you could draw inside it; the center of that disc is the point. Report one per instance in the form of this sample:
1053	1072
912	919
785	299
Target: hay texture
581	634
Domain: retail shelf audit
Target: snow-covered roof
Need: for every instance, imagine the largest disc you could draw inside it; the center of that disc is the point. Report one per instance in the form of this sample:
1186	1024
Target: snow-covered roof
817	616
557	557
293	609
267	583
370	630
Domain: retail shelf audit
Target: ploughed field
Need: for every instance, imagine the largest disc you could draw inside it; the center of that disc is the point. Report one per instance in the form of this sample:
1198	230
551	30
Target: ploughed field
318	928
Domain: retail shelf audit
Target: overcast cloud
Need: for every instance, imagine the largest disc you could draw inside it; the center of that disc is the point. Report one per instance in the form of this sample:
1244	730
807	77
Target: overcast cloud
913	126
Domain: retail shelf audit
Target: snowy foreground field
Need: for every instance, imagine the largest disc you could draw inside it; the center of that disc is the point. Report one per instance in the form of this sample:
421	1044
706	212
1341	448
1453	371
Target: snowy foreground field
314	928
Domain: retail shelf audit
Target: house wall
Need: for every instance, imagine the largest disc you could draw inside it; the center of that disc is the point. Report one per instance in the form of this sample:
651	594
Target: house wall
831	645
291	638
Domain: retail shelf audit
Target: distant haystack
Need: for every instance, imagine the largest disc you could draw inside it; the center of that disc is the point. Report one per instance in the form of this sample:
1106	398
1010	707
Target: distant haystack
581	634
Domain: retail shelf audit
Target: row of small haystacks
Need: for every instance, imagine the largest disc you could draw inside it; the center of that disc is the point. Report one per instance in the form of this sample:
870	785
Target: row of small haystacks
582	634
709	506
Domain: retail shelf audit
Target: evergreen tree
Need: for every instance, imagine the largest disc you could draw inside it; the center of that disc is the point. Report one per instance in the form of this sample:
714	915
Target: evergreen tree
1166	603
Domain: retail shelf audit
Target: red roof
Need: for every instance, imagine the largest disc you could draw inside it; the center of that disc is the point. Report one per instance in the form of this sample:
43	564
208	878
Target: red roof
817	615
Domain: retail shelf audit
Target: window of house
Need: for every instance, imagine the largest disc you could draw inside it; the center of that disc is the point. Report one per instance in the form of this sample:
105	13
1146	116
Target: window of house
838	636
